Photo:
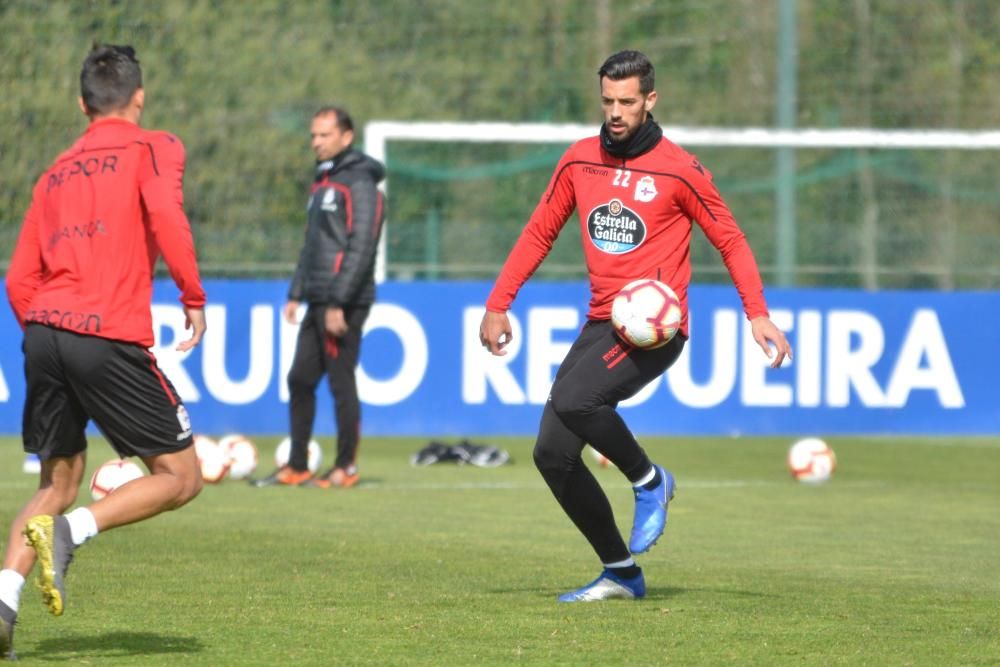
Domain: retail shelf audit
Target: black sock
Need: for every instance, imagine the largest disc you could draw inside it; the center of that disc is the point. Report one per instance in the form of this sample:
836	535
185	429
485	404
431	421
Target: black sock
627	572
655	482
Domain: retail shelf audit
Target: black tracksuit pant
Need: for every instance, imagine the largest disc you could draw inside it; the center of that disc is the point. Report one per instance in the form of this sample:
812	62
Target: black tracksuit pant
598	372
318	354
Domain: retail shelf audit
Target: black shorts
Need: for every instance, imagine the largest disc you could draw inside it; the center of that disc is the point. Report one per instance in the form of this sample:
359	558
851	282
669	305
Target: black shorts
72	378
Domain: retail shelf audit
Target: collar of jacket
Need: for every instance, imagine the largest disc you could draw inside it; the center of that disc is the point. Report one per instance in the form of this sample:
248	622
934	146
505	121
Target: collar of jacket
645	137
326	167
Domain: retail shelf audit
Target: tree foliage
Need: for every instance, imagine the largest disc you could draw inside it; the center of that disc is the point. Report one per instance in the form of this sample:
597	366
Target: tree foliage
237	81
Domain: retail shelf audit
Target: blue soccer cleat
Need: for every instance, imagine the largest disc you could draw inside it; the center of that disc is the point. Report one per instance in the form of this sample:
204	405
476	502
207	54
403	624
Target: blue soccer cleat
608	586
651	513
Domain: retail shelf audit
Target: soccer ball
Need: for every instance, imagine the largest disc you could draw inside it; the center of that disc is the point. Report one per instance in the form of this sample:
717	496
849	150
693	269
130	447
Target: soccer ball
242	454
811	460
32	464
599	459
213	461
112	474
646	313
284	451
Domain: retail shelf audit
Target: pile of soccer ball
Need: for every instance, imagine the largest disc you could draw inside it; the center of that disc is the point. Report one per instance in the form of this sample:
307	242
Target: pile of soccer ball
235	456
232	456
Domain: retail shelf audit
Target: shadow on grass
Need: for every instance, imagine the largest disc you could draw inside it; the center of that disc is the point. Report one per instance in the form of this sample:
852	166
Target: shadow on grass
666	592
364	481
117	644
652	593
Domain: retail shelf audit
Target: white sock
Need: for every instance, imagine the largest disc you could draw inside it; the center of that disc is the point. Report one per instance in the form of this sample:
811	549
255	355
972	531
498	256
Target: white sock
82	525
628	562
11	583
647	478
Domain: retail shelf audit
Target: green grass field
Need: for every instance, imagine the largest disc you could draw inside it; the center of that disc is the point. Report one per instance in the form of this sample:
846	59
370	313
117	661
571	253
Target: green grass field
893	562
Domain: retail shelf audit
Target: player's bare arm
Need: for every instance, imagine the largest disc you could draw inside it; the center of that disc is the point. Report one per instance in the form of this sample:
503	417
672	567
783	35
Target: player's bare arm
767	335
495	332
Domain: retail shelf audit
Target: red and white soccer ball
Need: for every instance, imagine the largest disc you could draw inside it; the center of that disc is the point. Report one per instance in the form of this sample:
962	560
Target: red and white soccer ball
212	460
646	313
599	459
112	474
242	455
811	460
284	451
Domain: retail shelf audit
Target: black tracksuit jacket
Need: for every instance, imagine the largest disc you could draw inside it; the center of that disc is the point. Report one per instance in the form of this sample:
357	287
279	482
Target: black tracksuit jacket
344	219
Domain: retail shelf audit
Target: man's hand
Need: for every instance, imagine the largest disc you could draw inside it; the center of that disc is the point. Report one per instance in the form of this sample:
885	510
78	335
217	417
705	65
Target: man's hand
495	332
766	334
194	320
292	312
336	325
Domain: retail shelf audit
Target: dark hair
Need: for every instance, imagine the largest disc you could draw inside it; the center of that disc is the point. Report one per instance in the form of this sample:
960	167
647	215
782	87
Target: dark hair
626	64
344	122
109	77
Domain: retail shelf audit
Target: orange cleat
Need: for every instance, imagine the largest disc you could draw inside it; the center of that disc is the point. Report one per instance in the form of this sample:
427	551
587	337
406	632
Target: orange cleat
335	477
285	475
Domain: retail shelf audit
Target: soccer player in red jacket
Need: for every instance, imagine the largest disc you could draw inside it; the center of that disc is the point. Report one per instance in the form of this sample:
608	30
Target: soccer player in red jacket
637	194
80	284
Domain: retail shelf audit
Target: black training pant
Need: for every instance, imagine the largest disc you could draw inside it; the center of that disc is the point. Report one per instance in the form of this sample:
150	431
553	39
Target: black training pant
598	372
318	354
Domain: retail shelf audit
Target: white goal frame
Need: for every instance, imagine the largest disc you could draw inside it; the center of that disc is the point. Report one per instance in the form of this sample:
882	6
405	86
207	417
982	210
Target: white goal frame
378	133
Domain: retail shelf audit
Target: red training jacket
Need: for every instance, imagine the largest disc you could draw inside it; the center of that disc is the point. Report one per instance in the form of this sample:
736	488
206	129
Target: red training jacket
99	218
635	215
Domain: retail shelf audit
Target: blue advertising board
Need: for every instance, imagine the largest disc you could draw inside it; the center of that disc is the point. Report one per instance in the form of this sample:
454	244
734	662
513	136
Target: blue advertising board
906	362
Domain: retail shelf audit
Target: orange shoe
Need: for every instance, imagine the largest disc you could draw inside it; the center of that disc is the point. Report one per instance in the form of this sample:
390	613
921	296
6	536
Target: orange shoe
285	475
338	477
342	478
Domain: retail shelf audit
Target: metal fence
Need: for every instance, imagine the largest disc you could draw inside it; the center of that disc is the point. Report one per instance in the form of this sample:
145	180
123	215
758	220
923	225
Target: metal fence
237	82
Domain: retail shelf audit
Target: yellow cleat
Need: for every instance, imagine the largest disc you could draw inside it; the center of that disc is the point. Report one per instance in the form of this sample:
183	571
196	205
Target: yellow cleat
52	541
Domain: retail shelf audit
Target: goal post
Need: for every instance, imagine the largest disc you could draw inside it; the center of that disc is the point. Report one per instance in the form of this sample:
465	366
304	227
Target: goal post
378	134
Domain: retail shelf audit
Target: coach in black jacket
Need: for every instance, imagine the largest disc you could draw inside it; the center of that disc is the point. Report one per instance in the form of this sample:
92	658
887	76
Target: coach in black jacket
335	276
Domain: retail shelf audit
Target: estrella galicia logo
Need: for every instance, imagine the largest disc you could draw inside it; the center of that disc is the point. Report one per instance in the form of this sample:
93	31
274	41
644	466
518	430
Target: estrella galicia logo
615	229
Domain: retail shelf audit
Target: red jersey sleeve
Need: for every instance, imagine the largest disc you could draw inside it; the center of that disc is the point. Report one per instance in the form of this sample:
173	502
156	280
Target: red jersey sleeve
554	209
161	182
24	275
703	203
